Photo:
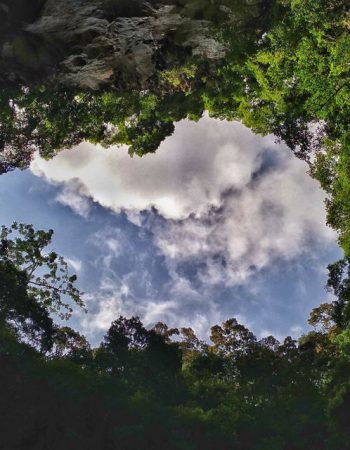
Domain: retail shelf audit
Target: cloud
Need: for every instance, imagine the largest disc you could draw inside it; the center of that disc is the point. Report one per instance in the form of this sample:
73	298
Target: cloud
232	202
76	264
72	195
220	206
179	305
278	214
128	282
186	176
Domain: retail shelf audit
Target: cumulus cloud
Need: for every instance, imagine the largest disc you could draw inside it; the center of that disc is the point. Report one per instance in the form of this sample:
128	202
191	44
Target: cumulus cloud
277	215
186	176
219	201
72	195
219	206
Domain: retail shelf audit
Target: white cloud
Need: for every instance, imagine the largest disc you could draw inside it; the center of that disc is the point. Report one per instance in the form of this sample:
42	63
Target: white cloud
233	202
276	216
296	330
72	195
182	307
76	264
187	174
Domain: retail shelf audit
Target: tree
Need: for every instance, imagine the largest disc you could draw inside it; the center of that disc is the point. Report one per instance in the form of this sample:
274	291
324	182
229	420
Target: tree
143	359
231	339
46	105
34	285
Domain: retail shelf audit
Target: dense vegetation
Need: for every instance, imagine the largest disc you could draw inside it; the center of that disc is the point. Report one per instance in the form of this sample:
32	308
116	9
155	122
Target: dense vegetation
163	387
286	72
42	114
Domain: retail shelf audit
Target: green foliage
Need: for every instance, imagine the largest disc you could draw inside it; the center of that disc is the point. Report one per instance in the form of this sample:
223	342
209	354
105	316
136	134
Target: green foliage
35	285
47	273
297	88
285	72
179	78
164	387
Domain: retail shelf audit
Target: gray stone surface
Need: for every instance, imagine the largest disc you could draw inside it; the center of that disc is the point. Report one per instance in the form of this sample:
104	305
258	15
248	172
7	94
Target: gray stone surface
77	44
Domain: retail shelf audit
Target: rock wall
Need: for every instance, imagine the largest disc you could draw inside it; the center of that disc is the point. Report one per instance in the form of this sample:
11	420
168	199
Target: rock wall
89	44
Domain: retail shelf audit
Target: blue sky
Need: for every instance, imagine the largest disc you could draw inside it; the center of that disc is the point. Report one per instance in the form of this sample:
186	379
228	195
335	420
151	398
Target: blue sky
218	223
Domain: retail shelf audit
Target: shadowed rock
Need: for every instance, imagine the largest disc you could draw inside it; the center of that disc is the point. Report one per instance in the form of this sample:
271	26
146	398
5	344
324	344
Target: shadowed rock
94	43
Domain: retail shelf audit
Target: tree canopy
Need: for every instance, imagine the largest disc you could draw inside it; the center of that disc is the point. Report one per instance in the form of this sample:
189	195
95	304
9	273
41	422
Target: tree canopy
34	285
163	387
282	69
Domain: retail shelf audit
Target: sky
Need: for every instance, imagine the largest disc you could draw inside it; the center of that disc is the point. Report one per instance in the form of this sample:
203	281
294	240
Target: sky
218	223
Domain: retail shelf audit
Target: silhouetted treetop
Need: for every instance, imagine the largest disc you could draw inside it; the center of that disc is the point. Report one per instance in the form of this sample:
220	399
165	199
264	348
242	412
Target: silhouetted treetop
162	387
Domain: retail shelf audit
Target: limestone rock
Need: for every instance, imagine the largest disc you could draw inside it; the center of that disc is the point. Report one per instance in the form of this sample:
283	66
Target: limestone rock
75	43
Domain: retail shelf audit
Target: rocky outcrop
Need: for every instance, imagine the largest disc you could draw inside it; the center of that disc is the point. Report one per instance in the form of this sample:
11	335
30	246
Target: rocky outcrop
89	44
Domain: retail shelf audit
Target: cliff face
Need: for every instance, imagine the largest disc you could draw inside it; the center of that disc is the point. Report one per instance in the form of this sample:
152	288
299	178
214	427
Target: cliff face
156	62
89	44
